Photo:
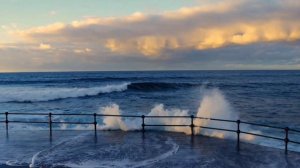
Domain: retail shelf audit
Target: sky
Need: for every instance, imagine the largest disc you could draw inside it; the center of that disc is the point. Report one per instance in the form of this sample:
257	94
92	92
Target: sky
116	35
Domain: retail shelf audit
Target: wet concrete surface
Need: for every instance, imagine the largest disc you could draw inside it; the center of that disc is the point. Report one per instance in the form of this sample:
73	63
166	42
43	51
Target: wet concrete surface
134	149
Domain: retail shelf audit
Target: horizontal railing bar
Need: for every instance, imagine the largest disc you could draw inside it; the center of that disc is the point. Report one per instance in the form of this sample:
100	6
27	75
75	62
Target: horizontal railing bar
115	115
294	130
168	117
70	114
265	136
177	125
56	122
46	122
262	125
221	129
215	119
30	122
138	116
17	113
294	142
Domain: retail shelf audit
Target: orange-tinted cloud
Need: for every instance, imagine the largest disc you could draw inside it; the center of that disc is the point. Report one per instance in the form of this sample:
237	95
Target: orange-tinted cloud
178	36
197	28
43	46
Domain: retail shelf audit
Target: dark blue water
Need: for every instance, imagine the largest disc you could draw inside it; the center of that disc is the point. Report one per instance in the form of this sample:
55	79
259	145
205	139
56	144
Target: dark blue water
271	97
267	97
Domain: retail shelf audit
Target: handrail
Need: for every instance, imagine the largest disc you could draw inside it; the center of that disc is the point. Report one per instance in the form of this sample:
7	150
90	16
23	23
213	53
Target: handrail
115	115
260	135
70	114
16	113
295	142
294	130
262	125
139	116
220	129
192	118
216	119
30	122
170	125
160	116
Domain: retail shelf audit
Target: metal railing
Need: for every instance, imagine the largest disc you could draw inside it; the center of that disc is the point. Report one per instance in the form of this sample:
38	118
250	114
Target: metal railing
192	126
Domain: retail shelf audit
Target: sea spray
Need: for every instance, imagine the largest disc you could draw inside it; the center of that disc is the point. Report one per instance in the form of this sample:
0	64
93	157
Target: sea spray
212	105
215	105
159	110
116	123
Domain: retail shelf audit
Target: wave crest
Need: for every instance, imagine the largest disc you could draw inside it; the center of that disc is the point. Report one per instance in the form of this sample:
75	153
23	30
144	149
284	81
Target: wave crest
157	86
37	94
31	94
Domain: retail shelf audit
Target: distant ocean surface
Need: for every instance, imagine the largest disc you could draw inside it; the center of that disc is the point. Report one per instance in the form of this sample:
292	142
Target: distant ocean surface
268	97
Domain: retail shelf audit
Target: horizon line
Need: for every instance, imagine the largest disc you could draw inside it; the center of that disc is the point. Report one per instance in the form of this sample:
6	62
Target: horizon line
70	71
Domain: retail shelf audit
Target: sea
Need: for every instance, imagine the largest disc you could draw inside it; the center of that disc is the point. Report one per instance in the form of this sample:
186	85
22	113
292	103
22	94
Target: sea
264	97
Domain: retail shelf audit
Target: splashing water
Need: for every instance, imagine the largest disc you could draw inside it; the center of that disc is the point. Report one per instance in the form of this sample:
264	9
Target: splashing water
213	105
116	123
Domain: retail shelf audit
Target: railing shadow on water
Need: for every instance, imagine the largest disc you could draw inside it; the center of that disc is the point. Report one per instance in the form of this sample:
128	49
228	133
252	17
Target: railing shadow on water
192	126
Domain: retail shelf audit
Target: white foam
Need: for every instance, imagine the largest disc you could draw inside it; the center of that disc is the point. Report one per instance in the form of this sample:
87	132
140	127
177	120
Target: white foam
33	94
116	123
215	105
125	162
40	155
212	105
62	154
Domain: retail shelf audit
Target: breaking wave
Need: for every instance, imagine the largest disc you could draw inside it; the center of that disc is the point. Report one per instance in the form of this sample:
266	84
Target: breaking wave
213	105
158	86
35	94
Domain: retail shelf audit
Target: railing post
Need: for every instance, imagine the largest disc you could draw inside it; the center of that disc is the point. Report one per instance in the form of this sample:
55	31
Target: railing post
50	124
286	140
238	131
192	125
95	123
6	121
143	123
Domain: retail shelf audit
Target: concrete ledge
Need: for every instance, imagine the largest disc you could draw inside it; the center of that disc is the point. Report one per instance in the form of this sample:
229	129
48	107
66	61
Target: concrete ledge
133	149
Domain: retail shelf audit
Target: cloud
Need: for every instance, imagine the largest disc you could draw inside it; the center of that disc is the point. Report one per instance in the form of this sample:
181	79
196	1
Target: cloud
263	66
44	46
82	51
222	33
36	33
196	28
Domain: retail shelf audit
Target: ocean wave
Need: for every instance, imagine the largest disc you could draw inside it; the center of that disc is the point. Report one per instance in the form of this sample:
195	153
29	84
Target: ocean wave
36	94
213	105
81	79
158	86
